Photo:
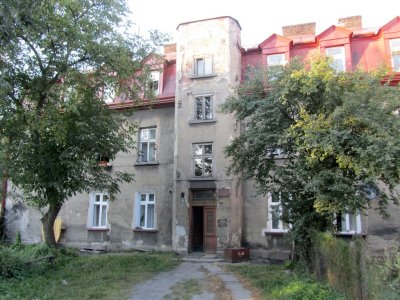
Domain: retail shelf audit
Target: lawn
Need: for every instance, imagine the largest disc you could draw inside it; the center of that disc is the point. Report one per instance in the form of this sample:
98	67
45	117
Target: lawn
274	282
104	276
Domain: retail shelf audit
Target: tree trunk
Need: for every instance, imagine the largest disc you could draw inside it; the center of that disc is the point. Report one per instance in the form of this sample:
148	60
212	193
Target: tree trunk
50	216
3	195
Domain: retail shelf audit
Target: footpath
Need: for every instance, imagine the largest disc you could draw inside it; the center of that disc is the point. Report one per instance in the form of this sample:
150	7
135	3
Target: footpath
195	279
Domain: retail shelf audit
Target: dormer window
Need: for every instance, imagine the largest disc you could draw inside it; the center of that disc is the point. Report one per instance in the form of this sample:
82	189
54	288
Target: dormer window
109	93
154	83
395	53
276	60
339	58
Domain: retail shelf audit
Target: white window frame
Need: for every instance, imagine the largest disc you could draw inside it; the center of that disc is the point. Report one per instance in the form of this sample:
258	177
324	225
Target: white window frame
144	156
395	51
203	66
142	205
271	59
339	67
202	157
97	200
278	205
345	220
109	93
155	82
203	99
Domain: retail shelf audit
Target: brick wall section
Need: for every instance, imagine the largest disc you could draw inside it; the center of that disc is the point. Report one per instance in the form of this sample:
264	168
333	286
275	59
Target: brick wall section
351	22
299	29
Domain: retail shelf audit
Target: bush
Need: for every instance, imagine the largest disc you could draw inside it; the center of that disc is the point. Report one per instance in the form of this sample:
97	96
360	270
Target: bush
20	260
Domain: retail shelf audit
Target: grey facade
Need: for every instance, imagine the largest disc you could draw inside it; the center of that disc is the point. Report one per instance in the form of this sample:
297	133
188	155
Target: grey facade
182	198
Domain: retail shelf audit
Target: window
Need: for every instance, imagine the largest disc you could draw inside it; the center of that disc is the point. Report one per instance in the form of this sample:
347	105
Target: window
203	108
348	223
109	92
203	66
98	207
276	60
395	52
339	58
202	160
154	83
274	222
147	145
144	210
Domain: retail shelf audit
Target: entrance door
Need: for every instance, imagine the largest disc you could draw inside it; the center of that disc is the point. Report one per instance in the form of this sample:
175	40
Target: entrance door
209	230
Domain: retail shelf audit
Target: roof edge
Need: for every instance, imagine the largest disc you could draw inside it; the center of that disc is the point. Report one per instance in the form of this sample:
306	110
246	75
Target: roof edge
207	19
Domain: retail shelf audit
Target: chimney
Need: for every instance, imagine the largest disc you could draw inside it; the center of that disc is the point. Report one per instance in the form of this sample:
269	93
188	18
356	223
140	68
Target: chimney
299	29
169	48
354	22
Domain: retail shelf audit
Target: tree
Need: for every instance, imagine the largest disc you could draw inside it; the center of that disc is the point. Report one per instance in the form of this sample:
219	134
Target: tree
59	59
340	138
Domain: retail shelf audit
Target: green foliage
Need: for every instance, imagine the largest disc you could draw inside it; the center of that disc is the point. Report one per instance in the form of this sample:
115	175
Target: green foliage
60	61
19	261
106	276
274	282
340	138
341	263
383	276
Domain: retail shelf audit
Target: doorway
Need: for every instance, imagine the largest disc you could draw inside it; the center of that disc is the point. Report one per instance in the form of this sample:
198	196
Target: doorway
203	236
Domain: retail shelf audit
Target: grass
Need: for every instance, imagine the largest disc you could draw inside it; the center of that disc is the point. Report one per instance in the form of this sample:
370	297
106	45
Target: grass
105	276
273	282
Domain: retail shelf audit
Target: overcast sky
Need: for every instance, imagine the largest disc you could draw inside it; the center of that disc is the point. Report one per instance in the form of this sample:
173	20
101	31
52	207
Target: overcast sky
260	18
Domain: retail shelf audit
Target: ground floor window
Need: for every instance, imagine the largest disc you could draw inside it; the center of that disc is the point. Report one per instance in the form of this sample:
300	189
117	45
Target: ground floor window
98	209
348	223
144	215
274	220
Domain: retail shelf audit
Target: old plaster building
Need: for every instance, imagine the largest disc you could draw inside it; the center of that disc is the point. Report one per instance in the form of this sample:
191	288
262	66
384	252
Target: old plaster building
182	198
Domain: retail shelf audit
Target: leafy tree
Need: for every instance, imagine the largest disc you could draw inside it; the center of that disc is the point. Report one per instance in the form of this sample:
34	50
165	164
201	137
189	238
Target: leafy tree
58	60
339	136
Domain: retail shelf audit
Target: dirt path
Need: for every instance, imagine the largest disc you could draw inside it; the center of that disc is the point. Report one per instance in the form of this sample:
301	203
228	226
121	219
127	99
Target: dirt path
192	280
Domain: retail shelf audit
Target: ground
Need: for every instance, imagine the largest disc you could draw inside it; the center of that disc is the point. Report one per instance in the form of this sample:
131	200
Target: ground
193	280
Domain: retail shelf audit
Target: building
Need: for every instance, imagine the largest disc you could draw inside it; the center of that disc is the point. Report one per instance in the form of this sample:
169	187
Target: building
183	199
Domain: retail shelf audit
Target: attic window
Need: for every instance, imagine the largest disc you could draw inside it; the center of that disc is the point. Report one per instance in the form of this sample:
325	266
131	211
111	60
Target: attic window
276	60
395	53
339	58
154	83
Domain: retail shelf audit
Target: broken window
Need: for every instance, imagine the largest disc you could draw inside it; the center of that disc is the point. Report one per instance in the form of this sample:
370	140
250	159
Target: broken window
203	108
395	53
348	223
202	160
339	58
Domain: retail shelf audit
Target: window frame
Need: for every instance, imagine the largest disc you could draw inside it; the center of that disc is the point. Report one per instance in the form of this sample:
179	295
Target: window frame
207	69
347	230
395	51
335	57
281	62
155	78
202	157
203	102
270	218
149	141
137	222
103	210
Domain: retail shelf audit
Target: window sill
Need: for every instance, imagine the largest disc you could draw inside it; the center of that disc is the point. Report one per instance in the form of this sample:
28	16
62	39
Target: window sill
349	234
151	163
202	76
138	229
97	229
202	178
202	121
275	233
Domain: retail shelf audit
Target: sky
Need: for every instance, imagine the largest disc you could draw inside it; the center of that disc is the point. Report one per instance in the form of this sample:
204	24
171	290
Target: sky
259	18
